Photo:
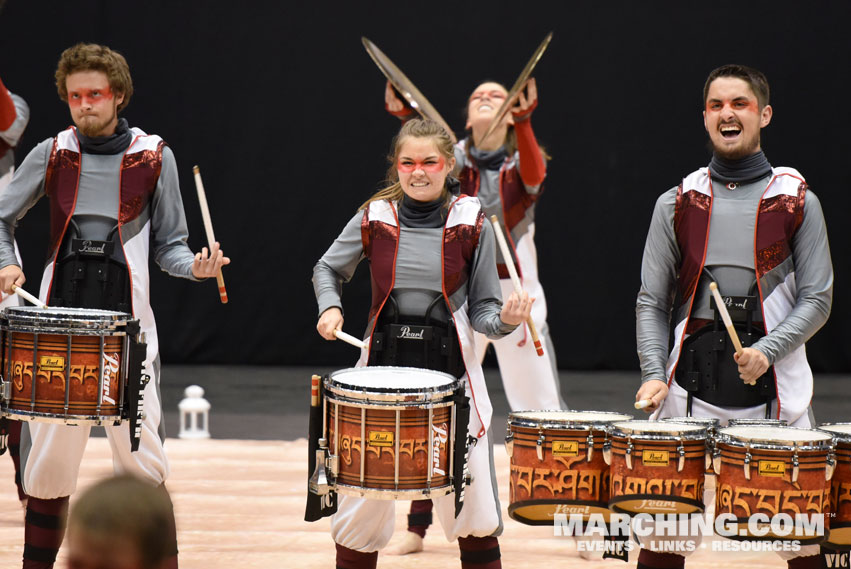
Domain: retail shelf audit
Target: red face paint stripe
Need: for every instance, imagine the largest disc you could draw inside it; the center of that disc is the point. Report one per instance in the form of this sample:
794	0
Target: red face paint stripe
76	98
407	166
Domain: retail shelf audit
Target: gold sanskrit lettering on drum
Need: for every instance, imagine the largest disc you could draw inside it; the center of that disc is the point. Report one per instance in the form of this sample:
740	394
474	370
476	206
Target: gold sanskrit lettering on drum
684	487
743	501
350	447
562	483
22	373
840	496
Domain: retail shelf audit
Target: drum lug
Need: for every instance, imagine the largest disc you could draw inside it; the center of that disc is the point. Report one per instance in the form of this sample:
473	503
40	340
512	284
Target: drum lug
795	466
6	390
540	446
681	452
607	452
628	456
830	466
509	444
708	455
590	442
748	459
716	461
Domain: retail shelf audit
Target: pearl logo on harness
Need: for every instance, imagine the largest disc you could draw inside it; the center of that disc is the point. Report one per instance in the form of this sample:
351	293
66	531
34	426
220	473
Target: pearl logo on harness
406	333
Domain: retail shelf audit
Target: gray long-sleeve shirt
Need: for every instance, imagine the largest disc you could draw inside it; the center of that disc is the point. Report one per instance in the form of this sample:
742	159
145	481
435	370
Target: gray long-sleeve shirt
730	258
98	197
417	267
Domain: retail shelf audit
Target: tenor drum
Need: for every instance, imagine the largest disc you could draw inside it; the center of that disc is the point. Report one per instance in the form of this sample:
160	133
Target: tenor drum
657	467
65	365
557	464
840	487
391	431
772	470
757	423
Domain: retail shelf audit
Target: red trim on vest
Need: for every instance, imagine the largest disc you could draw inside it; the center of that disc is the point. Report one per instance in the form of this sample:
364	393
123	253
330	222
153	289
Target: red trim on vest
138	178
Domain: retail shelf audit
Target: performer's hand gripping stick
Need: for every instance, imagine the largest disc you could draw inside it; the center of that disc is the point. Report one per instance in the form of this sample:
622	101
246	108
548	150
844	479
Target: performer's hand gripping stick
515	280
208	227
349	339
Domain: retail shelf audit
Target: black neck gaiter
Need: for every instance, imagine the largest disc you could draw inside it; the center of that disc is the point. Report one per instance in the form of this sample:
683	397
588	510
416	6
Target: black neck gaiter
742	170
113	144
488	159
421	214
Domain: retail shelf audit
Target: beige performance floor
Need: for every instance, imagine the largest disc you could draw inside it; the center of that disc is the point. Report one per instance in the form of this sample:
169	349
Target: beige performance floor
240	504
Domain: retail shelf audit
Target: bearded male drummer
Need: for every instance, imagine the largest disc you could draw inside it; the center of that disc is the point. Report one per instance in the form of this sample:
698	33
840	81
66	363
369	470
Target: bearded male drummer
116	186
759	232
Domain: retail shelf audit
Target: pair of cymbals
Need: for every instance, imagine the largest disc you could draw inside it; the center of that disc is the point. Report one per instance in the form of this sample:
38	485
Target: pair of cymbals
418	101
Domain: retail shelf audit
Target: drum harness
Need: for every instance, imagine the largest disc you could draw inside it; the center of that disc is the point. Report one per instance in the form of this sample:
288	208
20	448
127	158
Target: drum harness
707	369
91	273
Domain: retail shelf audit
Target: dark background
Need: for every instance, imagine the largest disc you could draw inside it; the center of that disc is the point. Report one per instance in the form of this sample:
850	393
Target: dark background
283	110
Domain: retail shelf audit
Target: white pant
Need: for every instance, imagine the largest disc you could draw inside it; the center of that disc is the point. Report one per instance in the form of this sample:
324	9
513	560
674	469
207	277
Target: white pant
530	381
51	453
367	525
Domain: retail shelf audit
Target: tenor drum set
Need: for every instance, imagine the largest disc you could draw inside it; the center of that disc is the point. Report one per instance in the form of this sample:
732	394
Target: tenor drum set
397	434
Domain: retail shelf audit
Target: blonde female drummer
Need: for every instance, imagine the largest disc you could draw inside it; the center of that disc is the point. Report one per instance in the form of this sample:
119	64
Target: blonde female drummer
432	264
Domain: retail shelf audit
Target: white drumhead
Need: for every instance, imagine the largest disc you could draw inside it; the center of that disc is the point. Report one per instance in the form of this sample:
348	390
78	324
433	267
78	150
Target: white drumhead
557	416
842	429
657	427
778	434
392	378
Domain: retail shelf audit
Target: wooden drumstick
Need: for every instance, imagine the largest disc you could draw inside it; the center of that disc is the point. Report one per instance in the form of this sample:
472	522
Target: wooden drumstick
349	339
515	280
728	322
27	296
643	403
208	227
725	316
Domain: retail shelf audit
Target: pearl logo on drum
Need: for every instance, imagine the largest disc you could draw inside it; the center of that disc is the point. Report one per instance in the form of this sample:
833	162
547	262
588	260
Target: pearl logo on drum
439	439
655	458
772	468
51	363
110	373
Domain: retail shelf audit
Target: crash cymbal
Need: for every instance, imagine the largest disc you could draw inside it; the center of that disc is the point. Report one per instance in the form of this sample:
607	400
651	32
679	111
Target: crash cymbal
518	85
405	86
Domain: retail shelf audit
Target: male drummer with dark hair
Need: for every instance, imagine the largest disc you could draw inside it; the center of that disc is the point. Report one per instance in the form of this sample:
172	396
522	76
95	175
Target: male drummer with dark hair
759	232
116	189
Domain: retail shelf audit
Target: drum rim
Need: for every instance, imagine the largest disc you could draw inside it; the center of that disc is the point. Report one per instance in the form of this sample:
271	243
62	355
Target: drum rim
580	425
332	384
713	422
839	436
694	432
775	444
752	422
62	321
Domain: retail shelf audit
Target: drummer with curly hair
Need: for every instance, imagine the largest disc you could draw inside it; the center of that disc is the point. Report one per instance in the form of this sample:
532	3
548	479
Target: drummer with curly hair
116	187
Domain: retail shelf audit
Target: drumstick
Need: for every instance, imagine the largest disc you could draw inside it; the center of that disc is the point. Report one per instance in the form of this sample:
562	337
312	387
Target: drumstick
643	403
725	316
27	296
515	280
208	227
349	339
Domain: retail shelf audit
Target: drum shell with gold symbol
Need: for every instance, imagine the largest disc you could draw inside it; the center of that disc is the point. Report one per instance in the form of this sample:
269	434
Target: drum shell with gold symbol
840	488
553	468
406	416
771	470
657	467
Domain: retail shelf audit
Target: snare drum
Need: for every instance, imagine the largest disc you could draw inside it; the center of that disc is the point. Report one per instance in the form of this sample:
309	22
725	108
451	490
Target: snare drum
391	431
772	470
557	464
840	492
657	467
79	358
